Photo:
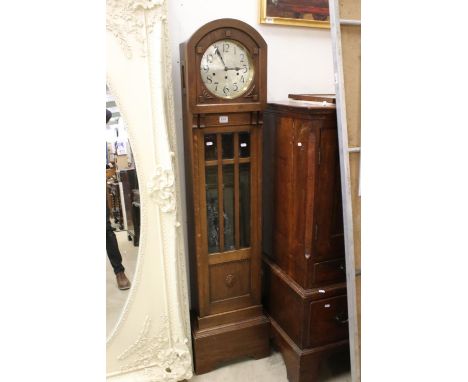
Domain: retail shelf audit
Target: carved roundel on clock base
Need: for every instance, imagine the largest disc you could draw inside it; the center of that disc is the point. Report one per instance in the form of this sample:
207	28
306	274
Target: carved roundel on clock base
229	280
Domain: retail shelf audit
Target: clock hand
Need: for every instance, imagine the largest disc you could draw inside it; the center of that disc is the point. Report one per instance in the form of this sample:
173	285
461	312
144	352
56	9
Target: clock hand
219	55
236	68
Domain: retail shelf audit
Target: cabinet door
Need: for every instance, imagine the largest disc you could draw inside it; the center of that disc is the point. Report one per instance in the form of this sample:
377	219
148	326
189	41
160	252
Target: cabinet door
296	167
305	156
329	215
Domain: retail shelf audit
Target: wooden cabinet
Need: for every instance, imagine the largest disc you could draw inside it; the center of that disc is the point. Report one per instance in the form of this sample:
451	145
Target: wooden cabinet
303	262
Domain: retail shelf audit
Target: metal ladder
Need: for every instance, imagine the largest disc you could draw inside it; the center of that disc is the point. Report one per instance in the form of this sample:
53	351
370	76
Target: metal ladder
346	183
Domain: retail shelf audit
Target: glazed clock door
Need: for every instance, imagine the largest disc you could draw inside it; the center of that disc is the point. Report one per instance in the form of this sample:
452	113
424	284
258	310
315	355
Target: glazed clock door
228	173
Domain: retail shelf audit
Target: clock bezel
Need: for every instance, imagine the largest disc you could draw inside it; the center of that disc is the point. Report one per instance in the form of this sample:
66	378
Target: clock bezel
251	75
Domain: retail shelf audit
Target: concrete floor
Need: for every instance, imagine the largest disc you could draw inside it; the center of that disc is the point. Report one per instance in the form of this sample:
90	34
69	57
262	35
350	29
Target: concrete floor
272	369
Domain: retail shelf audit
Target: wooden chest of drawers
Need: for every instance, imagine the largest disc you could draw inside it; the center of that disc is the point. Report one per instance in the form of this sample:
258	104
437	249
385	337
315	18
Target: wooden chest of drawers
303	247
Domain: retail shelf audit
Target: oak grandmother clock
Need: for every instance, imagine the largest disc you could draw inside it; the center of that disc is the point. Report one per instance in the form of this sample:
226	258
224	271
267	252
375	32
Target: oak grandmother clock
224	81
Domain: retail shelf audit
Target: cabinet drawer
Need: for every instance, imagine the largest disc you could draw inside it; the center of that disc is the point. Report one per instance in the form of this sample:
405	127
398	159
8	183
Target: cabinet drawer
328	320
330	271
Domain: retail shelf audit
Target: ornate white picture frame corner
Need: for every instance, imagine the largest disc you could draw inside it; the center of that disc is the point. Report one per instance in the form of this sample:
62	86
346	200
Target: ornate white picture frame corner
151	341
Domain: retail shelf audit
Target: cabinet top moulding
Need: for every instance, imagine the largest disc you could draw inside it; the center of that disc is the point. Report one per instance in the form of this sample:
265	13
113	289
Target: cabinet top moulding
302	109
292	105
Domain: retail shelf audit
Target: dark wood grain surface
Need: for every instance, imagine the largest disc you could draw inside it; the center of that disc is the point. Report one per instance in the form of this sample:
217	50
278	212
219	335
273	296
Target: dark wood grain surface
304	267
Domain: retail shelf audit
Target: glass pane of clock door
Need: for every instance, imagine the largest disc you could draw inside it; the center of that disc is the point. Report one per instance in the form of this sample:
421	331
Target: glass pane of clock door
210	147
244	204
211	179
244	145
228	195
228	146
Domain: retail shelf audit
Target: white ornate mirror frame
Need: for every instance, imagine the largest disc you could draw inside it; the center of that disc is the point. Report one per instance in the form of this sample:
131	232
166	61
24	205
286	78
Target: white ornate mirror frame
151	340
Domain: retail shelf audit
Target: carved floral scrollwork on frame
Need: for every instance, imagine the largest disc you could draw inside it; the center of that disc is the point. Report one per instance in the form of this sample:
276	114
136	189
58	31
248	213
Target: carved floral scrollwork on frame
132	18
162	188
173	363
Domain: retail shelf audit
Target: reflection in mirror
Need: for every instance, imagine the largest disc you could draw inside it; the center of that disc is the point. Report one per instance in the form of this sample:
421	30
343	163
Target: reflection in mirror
122	213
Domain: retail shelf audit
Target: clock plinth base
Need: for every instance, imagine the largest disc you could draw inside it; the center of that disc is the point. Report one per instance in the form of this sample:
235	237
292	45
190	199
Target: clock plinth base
218	344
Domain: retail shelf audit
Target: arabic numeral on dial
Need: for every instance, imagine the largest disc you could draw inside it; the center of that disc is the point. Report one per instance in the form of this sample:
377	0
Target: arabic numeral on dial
242	79
236	88
245	68
209	58
242	56
206	68
209	79
225	48
226	90
216	86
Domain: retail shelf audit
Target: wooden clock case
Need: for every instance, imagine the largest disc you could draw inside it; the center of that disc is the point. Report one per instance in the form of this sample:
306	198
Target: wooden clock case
227	316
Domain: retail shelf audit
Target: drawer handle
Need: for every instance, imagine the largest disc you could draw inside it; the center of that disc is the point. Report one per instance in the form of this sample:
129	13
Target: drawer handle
340	318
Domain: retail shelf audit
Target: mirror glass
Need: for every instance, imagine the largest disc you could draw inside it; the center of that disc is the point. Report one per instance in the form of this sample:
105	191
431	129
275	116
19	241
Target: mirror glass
122	214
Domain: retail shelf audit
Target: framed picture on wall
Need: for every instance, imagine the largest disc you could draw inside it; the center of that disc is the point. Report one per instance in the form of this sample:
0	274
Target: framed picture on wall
306	13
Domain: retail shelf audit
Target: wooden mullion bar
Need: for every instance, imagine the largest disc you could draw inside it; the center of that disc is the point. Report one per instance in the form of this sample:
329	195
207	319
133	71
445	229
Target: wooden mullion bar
224	161
228	256
236	191
227	161
220	193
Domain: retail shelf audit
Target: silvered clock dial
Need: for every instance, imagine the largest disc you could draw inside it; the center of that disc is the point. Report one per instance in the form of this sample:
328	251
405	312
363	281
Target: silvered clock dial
226	69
